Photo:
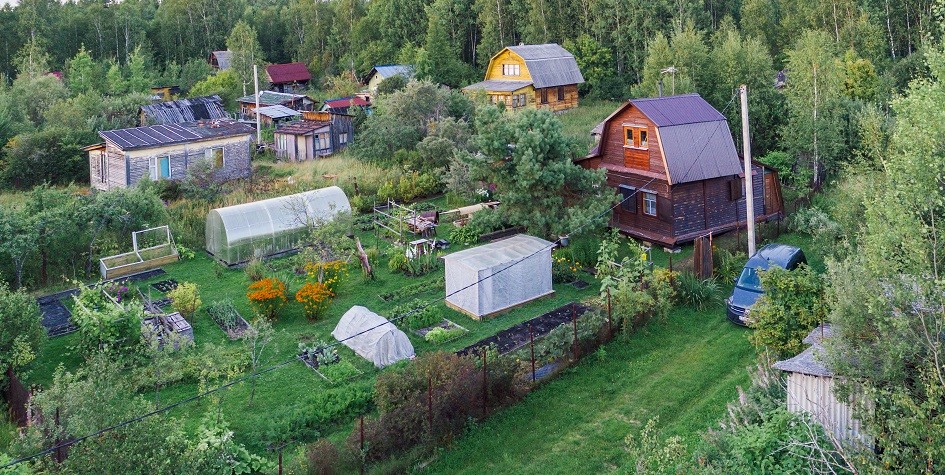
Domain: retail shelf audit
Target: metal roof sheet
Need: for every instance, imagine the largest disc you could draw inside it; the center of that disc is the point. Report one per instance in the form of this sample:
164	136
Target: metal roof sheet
277	112
677	110
223	58
168	134
288	73
271	98
498	85
388	70
549	64
699	151
302	127
185	110
807	362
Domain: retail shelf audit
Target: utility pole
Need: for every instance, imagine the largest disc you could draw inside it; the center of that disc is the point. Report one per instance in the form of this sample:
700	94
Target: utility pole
256	110
670	70
749	194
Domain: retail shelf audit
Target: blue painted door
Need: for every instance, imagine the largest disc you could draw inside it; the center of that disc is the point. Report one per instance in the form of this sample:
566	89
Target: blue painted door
166	167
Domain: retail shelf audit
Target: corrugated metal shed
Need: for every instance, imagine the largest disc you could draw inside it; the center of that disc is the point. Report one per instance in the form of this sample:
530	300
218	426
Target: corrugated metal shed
677	110
288	73
387	70
498	85
159	135
549	64
699	151
278	112
184	110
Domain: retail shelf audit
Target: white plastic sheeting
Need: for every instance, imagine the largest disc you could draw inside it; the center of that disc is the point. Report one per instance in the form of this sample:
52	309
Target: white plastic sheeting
373	337
520	270
237	233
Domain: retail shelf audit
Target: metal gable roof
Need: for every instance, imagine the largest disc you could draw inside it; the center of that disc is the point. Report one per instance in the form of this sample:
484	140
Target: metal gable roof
699	151
388	70
677	110
223	58
277	112
549	65
169	134
288	73
271	98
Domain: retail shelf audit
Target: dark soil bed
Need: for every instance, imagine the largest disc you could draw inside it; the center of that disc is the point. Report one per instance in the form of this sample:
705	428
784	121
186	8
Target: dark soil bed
517	336
579	284
165	286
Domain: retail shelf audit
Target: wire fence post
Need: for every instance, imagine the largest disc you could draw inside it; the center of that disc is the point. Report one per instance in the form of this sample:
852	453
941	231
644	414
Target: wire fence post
610	318
362	444
485	386
430	403
574	321
531	336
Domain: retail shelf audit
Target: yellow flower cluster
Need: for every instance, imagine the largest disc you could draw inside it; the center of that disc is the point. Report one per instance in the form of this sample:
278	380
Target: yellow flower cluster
315	297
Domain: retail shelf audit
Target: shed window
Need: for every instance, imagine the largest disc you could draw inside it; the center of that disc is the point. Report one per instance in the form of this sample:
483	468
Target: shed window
628	136
322	140
642	138
343	138
215	156
629	196
649	203
159	167
560	93
544	96
735	190
510	70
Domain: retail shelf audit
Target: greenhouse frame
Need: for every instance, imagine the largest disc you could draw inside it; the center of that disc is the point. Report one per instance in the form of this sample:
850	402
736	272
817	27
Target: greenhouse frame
236	234
489	279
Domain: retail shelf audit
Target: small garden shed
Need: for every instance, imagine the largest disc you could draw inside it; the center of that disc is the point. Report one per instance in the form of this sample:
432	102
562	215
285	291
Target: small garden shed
235	234
373	337
488	279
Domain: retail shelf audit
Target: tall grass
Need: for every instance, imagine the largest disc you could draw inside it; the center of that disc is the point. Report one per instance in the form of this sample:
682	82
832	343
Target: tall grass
577	123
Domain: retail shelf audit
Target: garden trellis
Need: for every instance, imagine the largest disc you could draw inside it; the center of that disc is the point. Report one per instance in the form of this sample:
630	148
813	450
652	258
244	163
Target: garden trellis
153	248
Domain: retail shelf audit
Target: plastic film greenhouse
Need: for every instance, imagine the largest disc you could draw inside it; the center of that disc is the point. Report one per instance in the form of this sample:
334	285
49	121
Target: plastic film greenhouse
264	228
488	279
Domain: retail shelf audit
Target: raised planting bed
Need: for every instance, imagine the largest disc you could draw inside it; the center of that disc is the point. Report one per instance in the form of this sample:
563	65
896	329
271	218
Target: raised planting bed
518	335
443	332
326	363
414	289
228	318
165	286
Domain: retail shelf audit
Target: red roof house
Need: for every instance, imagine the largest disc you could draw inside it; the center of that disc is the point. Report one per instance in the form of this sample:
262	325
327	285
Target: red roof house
289	78
343	104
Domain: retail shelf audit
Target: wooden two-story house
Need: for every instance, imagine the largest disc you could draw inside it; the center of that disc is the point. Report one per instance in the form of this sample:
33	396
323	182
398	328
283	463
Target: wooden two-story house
166	152
540	76
674	162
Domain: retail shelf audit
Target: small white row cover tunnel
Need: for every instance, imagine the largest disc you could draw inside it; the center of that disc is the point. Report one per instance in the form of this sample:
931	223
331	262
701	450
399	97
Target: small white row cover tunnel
236	234
373	337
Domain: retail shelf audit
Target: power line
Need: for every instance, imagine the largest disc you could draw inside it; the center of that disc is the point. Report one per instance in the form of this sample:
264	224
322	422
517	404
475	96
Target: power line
256	374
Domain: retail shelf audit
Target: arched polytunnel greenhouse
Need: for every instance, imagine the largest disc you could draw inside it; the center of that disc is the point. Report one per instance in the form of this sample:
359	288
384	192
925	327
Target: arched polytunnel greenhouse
264	228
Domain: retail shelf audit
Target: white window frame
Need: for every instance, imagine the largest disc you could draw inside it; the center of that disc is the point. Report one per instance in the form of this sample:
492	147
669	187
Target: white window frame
511	69
649	203
343	138
208	155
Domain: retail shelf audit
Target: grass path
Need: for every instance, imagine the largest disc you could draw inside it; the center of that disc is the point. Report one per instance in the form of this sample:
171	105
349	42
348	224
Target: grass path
682	371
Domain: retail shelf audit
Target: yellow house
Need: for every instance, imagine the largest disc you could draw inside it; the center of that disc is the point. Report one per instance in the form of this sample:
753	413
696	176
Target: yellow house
542	76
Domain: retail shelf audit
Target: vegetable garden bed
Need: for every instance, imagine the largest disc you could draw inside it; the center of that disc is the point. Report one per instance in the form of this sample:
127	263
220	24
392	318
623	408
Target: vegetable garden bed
330	366
225	315
518	335
443	332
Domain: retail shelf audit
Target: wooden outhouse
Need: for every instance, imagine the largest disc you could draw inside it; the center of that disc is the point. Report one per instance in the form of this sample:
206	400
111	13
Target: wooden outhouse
673	161
542	76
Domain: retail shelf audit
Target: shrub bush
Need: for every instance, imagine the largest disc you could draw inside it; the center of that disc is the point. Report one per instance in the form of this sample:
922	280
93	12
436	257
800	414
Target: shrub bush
255	269
323	458
185	299
728	264
103	324
407	315
439	335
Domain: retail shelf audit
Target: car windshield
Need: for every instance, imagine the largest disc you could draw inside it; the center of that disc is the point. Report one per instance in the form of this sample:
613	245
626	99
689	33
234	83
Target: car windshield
749	280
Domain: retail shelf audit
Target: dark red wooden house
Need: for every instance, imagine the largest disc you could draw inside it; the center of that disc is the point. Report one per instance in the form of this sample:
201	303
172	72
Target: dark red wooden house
674	158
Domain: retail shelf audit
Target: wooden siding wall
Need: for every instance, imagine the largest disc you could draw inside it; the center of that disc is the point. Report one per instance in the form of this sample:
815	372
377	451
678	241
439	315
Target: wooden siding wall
116	175
704	206
643	226
815	396
570	98
615	153
507	57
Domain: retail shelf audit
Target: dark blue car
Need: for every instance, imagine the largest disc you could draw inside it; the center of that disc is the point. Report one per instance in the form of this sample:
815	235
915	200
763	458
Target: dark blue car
748	285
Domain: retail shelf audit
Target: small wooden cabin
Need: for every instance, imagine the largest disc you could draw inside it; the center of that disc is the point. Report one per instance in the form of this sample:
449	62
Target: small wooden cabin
298	102
291	77
381	72
674	162
541	76
220	60
318	134
345	105
810	390
166	152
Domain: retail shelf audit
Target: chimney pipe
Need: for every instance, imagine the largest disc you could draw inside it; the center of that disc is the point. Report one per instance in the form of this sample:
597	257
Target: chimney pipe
659	84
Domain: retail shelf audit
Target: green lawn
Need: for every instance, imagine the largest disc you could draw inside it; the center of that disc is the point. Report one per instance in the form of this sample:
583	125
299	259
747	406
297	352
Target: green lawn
682	371
577	123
